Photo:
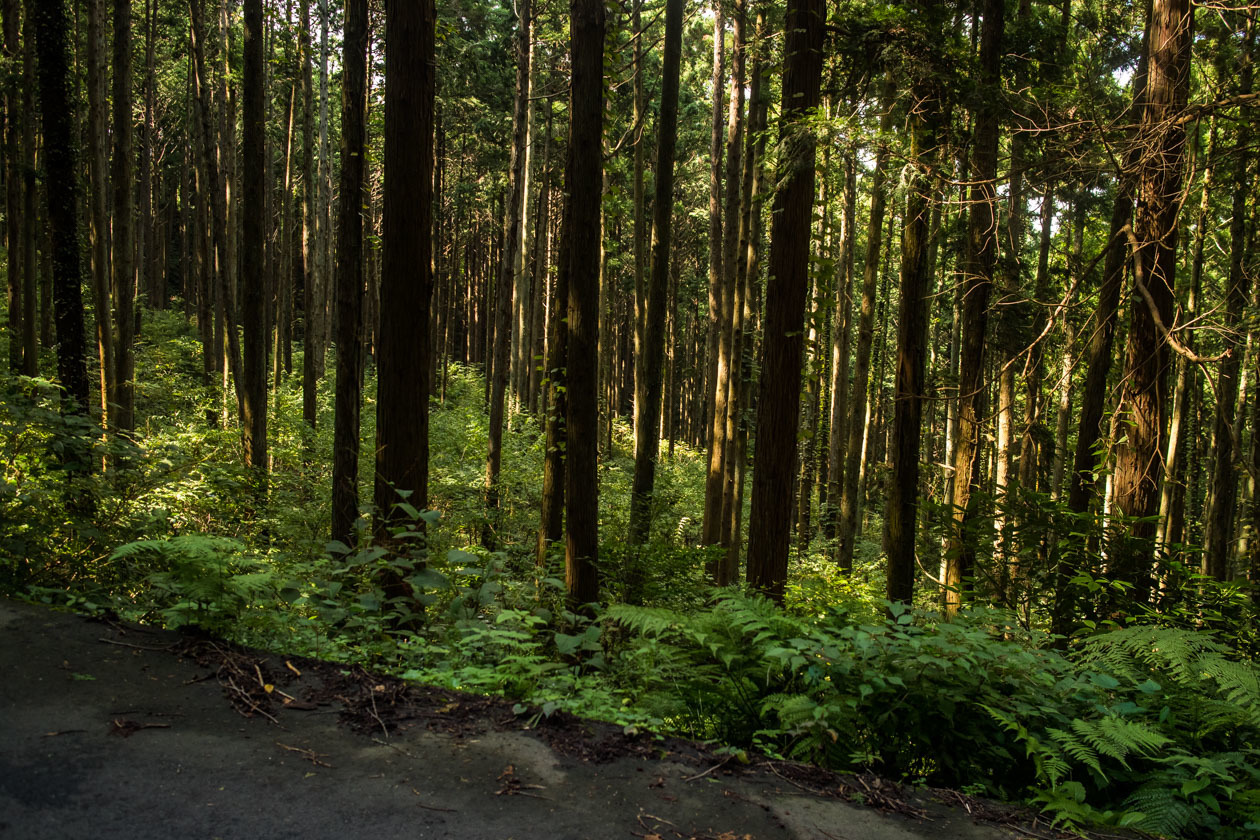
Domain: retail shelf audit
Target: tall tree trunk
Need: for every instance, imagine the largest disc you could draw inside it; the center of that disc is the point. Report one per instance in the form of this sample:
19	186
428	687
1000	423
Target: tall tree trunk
778	403
35	317
716	274
507	274
850	496
13	119
217	209
1228	450
720	433
402	398
1161	135
1172	493
749	255
902	504
51	27
841	337
982	244
124	243
647	415
310	232
98	219
586	109
551	529
349	397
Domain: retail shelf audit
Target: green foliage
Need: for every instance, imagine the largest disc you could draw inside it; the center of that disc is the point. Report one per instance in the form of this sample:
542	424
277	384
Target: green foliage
1147	726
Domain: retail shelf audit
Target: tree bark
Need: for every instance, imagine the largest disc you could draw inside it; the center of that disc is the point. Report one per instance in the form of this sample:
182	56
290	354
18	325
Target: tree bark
647	419
507	274
349	340
253	276
310	232
1161	135
51	27
778	403
982	244
902	504
123	261
402	412
98	219
586	109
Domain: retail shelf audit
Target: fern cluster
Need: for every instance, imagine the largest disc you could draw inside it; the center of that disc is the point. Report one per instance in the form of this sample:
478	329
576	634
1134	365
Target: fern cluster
1149	727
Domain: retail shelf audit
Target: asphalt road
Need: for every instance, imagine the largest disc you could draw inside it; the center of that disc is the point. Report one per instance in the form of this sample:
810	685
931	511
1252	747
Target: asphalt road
105	732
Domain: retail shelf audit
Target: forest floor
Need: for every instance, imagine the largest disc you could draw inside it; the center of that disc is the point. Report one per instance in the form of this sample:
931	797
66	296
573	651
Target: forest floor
111	730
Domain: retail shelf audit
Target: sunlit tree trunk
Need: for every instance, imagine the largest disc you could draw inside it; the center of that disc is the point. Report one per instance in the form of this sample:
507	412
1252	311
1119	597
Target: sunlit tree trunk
1138	469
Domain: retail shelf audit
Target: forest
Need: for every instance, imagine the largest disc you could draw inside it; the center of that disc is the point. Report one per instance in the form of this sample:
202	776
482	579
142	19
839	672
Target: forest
872	382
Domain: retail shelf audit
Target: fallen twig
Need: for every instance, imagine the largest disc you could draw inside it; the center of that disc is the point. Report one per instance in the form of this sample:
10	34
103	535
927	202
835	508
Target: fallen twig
310	755
707	772
432	807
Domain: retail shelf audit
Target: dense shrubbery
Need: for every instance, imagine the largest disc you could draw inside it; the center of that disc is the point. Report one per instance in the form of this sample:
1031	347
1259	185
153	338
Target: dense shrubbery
1151	725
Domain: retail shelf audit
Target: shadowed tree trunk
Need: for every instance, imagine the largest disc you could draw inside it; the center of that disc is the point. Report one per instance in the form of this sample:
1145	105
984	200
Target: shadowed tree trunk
778	403
98	192
507	274
850	496
349	339
586	109
124	242
1228	436
61	174
402	398
982	241
253	273
902	504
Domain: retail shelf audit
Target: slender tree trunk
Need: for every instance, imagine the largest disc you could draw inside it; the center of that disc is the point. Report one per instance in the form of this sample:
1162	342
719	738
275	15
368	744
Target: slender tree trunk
850	496
310	232
778	403
19	326
838	427
35	317
507	273
716	273
217	201
349	339
253	278
123	261
982	244
1228	450
647	419
51	27
749	267
98	220
1171	499
902	505
720	439
551	528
